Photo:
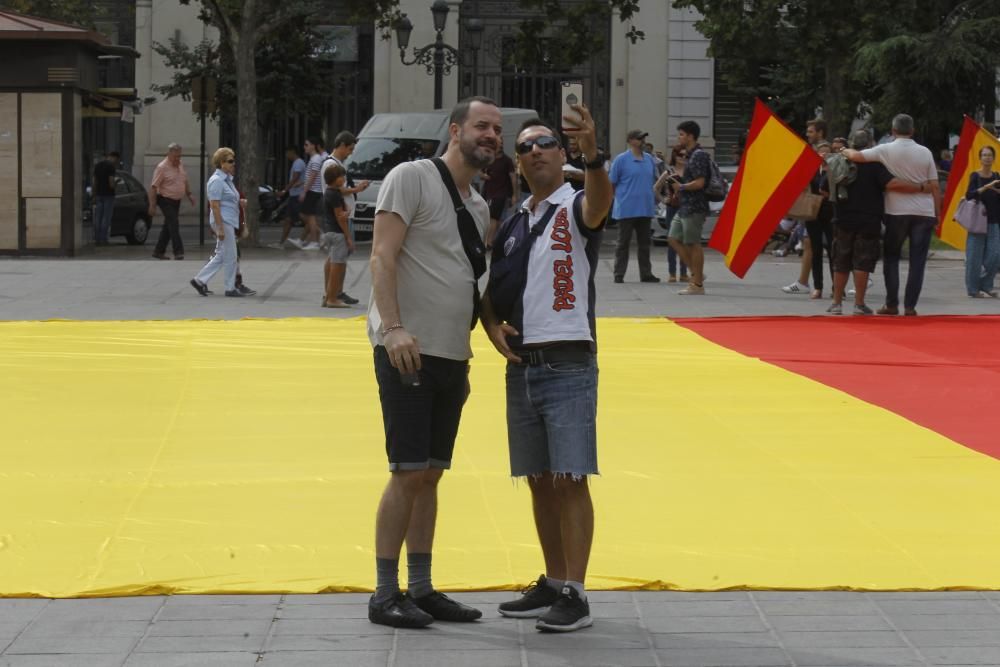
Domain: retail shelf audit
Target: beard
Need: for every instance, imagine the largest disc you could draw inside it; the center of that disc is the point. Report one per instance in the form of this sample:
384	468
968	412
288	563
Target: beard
476	155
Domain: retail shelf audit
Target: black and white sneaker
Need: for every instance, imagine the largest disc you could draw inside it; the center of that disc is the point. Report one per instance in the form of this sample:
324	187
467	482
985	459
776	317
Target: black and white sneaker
399	611
246	290
535	600
347	298
443	608
568	613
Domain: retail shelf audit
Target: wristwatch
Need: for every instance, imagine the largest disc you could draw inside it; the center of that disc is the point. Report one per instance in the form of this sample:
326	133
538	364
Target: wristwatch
597	162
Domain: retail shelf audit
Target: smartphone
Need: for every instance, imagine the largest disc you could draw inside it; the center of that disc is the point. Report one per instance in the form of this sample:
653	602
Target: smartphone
572	93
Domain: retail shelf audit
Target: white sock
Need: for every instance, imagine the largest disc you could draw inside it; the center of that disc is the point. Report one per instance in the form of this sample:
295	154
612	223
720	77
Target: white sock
578	587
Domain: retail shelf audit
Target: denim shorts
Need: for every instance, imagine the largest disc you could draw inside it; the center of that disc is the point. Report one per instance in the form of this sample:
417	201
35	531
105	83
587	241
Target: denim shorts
337	244
552	418
421	421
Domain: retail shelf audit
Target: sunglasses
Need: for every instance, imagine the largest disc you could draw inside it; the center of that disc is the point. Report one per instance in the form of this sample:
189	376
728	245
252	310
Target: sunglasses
544	142
231	161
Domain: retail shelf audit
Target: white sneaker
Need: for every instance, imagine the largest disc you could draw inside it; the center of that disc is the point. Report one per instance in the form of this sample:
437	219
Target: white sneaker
311	246
795	288
851	291
294	242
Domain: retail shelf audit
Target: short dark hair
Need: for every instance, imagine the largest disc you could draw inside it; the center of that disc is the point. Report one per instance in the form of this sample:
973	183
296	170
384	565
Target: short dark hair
461	110
294	149
690	127
860	140
819	125
316	141
538	122
332	173
114	154
344	138
990	149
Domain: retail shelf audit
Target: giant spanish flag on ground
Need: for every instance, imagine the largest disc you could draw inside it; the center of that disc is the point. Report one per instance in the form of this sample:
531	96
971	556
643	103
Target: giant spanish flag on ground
143	457
775	169
965	162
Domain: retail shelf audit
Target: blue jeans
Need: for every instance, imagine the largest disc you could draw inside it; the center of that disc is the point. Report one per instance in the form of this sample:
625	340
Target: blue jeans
671	253
223	258
105	207
552	418
982	259
898	228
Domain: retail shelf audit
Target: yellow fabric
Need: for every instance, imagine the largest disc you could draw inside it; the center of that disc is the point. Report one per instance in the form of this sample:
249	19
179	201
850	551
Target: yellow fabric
953	233
198	456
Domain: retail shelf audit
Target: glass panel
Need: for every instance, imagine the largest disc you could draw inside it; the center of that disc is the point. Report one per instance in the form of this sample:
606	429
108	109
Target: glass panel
373	158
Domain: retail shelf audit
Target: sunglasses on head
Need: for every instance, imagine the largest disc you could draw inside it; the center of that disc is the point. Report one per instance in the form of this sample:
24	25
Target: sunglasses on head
543	142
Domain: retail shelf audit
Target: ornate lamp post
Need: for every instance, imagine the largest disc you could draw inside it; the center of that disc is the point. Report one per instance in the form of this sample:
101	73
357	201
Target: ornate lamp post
438	57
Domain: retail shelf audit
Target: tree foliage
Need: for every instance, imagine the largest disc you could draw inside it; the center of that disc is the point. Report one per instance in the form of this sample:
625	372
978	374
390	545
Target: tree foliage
933	59
77	12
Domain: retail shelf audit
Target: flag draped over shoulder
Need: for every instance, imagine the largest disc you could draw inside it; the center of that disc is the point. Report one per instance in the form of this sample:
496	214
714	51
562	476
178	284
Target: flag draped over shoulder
775	168
966	161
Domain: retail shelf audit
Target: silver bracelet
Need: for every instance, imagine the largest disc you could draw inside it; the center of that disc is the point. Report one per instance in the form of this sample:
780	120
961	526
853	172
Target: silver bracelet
391	327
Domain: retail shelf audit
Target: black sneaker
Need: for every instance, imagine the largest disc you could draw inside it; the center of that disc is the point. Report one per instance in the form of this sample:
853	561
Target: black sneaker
567	614
200	287
246	290
443	608
234	292
347	298
649	279
535	600
398	612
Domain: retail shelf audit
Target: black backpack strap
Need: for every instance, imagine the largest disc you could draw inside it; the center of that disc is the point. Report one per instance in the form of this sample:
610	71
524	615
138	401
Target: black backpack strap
472	242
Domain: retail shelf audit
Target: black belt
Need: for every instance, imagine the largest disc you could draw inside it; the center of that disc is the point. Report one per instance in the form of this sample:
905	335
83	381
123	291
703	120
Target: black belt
175	201
572	351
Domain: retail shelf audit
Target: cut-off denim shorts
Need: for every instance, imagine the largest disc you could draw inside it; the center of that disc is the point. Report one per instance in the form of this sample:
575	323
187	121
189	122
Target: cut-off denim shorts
552	418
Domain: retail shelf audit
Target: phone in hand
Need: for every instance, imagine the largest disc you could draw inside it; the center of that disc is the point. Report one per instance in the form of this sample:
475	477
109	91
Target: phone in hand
572	93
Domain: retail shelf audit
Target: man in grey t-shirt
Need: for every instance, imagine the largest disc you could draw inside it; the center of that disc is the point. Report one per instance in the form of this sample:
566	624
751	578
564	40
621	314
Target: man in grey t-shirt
418	322
908	215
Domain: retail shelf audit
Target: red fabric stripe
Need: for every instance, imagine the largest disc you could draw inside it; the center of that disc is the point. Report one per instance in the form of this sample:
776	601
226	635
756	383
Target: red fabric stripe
940	372
959	166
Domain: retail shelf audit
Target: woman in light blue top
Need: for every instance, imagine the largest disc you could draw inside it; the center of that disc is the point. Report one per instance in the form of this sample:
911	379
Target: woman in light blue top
224	200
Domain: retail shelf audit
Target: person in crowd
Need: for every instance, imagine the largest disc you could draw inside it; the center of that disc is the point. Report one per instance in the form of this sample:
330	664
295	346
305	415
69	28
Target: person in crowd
343	147
169	185
838	144
550	344
311	198
293	189
633	174
423	299
982	251
574	160
908	216
666	196
498	190
104	196
657	160
820	230
224	201
816	130
858	227
687	226
337	238
944	163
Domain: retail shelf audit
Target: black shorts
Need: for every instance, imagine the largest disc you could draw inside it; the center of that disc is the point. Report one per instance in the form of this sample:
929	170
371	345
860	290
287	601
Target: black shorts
421	422
497	207
292	208
855	248
312	204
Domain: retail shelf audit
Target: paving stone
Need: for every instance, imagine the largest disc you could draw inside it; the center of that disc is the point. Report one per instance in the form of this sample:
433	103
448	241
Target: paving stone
343	643
688	624
220	612
181	600
11	629
112	609
721	640
914	607
954	637
40	645
828	623
66	660
927	595
846	639
329	611
231	659
592	658
832	607
963	655
323	626
613	610
468	636
723	657
247	627
200	644
325	659
947	622
360	599
84	627
698	608
594	637
684	596
458	658
16	611
862	657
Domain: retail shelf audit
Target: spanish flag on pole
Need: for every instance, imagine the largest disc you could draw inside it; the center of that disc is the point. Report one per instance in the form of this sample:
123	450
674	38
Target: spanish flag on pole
775	169
966	161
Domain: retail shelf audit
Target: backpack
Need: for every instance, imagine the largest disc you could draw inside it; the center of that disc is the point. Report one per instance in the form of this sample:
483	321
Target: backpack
840	172
716	188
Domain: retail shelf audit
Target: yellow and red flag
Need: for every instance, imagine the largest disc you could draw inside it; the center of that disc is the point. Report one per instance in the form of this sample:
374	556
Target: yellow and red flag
775	169
965	162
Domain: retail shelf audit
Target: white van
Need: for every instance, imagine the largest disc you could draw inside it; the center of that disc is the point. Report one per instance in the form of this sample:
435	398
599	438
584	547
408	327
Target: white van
388	139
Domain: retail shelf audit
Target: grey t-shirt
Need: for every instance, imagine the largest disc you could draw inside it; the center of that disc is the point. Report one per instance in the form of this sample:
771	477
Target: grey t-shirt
434	279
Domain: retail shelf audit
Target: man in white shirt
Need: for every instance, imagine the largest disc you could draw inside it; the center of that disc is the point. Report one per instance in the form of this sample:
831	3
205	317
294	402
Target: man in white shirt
549	339
908	215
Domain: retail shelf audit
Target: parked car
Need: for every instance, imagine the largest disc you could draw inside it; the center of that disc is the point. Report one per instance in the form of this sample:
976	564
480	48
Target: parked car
131	217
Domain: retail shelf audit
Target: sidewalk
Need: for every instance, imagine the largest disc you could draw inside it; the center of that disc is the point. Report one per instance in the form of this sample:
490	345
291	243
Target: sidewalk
820	629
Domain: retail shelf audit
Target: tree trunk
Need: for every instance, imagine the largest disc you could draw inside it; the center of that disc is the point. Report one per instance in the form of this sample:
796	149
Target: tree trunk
834	101
248	167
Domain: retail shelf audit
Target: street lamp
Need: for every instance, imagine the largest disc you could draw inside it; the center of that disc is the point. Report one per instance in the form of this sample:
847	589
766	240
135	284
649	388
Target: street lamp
438	58
475	29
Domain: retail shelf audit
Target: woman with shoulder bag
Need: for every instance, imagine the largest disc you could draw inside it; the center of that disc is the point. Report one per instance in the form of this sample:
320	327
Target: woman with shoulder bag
675	169
982	251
